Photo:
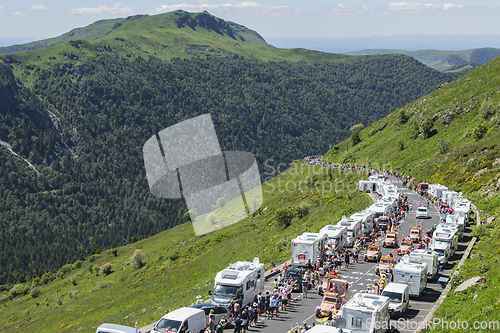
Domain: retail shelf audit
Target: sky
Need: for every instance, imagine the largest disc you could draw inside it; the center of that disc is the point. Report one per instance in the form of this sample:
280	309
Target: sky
22	21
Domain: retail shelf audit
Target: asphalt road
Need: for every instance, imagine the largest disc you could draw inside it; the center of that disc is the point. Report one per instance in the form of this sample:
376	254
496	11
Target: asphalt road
361	274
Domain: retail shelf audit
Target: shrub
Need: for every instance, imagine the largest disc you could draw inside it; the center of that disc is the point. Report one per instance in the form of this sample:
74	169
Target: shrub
427	126
106	269
77	264
94	257
401	145
36	282
480	231
174	256
137	259
487	109
444	145
19	290
403	117
73	281
284	217
479	132
355	138
114	252
4	298
303	209
103	284
35	292
357	128
47	277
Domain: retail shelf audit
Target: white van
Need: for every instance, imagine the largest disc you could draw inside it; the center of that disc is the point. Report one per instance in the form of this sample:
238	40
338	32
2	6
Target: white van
427	256
114	328
399	298
366	313
414	275
366	219
181	320
448	235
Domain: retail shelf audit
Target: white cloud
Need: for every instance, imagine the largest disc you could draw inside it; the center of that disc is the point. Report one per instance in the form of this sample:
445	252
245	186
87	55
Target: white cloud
39	7
419	7
117	9
18	14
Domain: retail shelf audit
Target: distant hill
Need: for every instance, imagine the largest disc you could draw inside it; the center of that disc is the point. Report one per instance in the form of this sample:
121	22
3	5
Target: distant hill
163	25
447	61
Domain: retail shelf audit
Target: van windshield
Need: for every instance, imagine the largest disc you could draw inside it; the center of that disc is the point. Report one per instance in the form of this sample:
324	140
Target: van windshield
226	291
393	297
349	233
439	251
168	325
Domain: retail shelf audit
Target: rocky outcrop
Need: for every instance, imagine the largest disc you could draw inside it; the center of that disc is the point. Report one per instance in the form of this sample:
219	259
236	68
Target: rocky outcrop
206	21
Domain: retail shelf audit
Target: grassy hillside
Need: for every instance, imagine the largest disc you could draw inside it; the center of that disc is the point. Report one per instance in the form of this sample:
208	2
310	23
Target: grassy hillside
451	137
455	62
177	264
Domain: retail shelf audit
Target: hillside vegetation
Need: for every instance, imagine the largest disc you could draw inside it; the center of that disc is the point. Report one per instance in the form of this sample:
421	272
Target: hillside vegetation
456	63
450	137
80	113
172	267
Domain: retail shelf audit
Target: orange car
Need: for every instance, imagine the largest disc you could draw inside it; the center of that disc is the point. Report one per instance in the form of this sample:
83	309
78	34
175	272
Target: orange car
373	253
415	234
385	263
328	283
391	239
405	248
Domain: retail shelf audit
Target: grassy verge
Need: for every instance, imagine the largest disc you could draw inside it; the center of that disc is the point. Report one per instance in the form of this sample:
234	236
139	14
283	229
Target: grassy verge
177	265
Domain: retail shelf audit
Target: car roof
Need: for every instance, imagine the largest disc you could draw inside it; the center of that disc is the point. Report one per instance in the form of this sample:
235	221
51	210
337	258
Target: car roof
399	287
114	328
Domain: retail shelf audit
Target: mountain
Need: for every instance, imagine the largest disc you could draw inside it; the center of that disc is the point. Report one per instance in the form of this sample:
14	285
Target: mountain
456	62
80	112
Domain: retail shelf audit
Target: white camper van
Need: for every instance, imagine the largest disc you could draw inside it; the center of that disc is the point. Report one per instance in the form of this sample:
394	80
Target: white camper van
181	320
366	219
443	251
448	235
366	313
463	209
436	190
370	185
379	210
454	221
399	298
414	275
306	248
354	231
427	256
241	281
336	237
346	223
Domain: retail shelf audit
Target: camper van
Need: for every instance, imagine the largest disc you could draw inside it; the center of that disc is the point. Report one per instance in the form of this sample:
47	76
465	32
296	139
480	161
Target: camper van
366	219
427	256
366	313
354	231
436	190
379	210
336	237
443	251
368	186
306	248
241	281
454	221
448	235
463	209
327	329
414	275
181	320
399	298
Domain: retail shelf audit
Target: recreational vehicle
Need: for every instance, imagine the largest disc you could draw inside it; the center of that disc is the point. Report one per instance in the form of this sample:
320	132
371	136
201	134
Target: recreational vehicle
306	248
427	256
414	275
366	313
241	281
336	237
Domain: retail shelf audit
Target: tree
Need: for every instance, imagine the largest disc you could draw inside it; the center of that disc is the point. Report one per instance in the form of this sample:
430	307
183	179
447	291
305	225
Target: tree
355	138
137	259
427	126
284	217
403	117
357	128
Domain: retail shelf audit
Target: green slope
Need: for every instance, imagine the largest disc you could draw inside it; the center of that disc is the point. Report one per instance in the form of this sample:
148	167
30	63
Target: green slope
178	265
457	62
450	137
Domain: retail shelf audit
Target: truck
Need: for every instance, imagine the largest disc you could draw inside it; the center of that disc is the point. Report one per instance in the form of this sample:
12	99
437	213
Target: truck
241	282
414	275
366	313
422	187
399	298
181	320
429	257
306	248
366	219
335	237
